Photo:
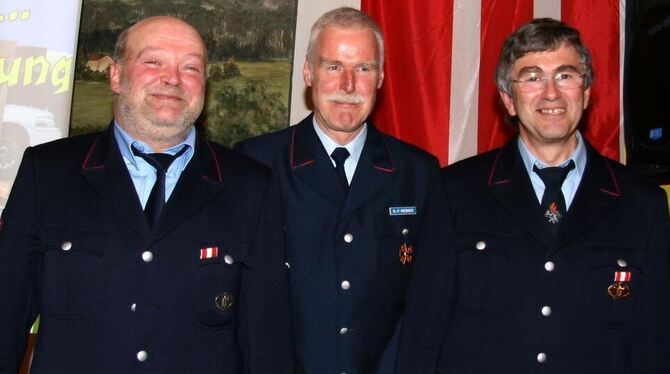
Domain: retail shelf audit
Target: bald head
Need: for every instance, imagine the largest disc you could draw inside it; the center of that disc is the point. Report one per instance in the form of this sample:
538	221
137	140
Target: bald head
166	25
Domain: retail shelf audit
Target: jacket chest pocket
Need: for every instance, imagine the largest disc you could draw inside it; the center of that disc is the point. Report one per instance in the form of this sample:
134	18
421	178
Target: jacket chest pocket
73	271
398	238
485	272
614	277
218	275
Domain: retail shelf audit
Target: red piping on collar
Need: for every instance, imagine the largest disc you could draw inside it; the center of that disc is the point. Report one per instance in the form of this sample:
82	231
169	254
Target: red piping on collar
493	168
216	161
84	165
388	152
293	165
616	184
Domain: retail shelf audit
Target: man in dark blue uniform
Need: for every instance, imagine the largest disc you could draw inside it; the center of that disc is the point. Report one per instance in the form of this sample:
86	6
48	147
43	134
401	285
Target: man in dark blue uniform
562	254
195	283
355	204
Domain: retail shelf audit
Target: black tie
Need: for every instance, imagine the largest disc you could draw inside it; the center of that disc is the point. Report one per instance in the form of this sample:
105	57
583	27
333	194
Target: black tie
161	162
339	155
553	202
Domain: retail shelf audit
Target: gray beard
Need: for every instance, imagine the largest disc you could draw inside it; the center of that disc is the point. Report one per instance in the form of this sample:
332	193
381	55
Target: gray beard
142	122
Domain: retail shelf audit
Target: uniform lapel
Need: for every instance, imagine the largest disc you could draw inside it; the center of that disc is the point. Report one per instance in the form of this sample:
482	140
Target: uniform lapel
106	172
374	170
200	182
309	162
597	194
510	185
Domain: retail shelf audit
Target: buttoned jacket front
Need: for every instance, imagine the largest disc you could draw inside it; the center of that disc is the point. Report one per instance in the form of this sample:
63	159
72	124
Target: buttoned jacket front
529	302
345	251
115	296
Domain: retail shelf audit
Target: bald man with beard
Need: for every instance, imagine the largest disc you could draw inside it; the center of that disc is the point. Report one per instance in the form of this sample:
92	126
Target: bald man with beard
145	248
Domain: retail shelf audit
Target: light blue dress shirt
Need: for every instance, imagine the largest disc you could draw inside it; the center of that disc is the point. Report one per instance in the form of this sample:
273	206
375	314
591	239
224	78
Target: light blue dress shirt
143	174
571	182
355	147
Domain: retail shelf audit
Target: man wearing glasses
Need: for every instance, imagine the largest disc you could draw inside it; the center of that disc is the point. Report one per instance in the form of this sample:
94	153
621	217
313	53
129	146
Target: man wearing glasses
562	254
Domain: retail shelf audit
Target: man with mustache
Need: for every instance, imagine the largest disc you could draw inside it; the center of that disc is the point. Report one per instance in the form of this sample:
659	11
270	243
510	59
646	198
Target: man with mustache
146	248
355	204
562	254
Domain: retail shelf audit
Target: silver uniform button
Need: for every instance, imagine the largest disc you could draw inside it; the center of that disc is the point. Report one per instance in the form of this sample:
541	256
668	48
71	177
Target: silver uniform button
549	266
344	330
228	259
541	357
405	231
480	245
66	246
622	263
345	285
288	266
142	356
546	311
348	238
133	307
147	256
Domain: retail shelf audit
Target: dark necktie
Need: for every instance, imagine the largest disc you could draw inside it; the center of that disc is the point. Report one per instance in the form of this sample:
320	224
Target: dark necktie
339	155
553	201
161	162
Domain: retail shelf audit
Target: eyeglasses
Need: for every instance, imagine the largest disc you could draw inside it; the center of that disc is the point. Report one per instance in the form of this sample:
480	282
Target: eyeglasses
533	82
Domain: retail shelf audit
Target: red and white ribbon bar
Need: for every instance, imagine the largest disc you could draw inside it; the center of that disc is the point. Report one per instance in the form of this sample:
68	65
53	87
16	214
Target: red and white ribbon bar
209	252
622	276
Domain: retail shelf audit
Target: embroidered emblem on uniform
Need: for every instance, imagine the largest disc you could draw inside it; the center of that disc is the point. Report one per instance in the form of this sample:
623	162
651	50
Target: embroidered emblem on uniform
619	289
402	211
552	214
209	252
406	253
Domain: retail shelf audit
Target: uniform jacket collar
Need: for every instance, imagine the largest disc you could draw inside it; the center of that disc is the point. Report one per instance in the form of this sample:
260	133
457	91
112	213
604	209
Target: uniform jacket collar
308	161
105	171
597	194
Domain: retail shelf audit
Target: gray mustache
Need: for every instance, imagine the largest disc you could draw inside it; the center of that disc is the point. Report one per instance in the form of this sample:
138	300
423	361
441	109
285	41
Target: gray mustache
345	98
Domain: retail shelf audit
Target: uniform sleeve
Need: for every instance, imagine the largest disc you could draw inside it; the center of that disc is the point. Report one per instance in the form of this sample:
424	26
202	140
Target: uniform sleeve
20	267
431	289
651	318
266	331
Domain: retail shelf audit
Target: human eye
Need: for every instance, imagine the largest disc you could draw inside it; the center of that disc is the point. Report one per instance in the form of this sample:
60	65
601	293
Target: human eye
530	77
152	62
193	68
565	76
365	68
332	67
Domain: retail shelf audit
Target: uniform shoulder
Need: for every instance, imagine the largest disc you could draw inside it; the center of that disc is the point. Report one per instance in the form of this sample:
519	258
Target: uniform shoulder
74	146
407	150
630	180
480	162
236	162
265	148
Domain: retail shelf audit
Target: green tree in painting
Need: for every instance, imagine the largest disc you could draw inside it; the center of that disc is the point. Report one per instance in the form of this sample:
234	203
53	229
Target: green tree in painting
245	112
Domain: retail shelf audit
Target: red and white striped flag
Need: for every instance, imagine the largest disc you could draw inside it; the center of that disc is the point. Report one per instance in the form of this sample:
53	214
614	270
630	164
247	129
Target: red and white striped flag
209	252
439	92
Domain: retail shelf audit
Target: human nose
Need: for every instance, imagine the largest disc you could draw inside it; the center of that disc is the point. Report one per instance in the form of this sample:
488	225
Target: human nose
348	81
550	90
171	76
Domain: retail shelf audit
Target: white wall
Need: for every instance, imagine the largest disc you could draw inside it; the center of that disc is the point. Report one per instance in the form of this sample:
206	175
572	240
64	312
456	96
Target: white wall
308	12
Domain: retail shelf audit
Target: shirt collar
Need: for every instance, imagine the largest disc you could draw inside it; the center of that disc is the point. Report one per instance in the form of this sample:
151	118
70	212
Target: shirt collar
578	156
355	147
125	141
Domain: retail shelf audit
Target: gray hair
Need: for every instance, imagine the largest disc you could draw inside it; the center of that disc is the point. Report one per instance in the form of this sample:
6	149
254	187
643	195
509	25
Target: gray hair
345	17
120	47
540	35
